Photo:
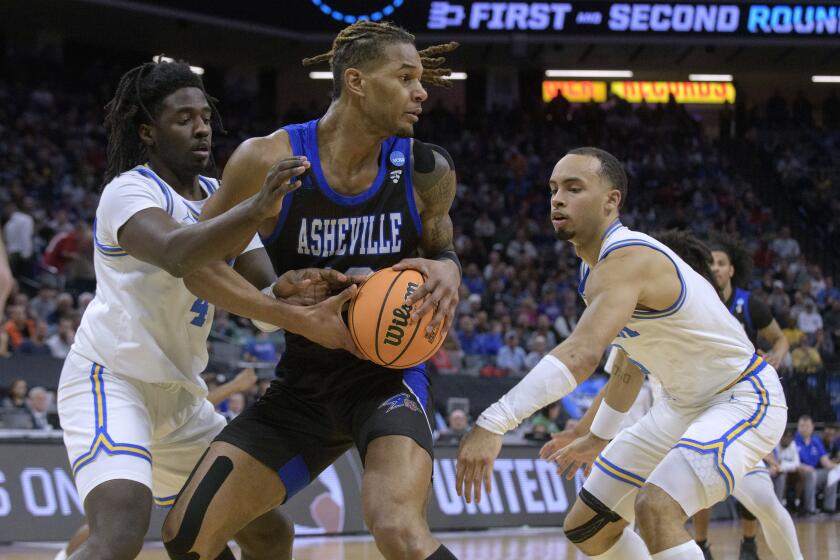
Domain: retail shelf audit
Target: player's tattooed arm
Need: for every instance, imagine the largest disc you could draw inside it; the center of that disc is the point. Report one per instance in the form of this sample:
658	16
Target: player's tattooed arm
434	187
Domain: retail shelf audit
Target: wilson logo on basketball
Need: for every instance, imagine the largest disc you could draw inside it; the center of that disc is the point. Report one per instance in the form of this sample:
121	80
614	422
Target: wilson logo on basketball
395	333
380	321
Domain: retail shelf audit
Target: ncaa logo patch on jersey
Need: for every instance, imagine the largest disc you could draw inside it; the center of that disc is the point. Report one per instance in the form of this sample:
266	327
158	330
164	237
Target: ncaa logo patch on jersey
397	158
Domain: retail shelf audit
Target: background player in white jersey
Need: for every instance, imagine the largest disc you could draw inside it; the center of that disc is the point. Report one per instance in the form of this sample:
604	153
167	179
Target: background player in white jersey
724	408
755	494
131	401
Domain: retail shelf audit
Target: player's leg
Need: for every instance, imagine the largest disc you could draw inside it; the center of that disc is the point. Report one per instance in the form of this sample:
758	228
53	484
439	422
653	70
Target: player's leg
597	523
78	538
393	434
720	446
749	529
107	430
269	536
599	532
267	454
395	490
701	531
185	431
227	491
755	492
809	492
118	516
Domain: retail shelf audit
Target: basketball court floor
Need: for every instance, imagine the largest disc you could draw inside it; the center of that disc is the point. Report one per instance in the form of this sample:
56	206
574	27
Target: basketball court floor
818	537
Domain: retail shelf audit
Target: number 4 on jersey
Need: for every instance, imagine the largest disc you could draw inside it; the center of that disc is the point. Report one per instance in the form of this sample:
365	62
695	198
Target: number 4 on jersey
200	307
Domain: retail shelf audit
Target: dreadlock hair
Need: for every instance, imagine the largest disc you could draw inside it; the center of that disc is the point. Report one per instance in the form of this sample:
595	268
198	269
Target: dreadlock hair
363	41
138	100
738	256
694	252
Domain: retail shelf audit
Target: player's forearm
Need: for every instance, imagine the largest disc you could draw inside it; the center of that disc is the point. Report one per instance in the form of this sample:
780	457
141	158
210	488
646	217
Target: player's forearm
187	249
221	393
625	383
225	288
781	346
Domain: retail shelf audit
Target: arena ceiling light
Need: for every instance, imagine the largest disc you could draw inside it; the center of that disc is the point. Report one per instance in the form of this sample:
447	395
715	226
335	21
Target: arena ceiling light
588	73
825	79
710	77
195	69
321	75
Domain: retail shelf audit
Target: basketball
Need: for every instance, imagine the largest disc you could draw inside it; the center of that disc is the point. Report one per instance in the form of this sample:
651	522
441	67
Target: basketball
380	321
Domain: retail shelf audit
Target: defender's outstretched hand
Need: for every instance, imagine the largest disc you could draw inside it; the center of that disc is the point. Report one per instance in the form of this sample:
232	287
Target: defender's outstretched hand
308	286
476	456
581	452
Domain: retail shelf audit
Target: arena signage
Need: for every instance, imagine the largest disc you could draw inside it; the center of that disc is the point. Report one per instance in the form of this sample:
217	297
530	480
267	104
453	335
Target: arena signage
575	91
314	20
707	93
633	18
38	500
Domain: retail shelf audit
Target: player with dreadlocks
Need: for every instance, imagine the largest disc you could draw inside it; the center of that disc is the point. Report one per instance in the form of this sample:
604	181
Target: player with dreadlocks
130	397
374	197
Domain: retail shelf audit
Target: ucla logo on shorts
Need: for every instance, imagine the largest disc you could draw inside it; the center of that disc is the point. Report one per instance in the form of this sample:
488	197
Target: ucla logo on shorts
397	158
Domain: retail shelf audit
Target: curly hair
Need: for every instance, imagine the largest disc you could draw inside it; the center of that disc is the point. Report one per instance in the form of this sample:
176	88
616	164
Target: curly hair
139	100
364	40
739	258
690	249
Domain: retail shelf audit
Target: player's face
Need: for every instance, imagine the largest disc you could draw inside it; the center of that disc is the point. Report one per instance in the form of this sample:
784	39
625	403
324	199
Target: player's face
393	92
182	134
580	199
722	269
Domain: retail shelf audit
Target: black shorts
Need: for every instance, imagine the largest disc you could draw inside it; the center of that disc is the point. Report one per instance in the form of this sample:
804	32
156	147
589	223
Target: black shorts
299	432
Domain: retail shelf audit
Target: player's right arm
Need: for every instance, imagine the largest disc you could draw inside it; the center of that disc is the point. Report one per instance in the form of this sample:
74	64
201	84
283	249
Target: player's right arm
769	330
245	172
151	235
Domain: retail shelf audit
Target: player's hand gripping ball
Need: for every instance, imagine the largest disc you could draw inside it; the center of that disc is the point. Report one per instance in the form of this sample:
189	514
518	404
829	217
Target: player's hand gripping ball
380	321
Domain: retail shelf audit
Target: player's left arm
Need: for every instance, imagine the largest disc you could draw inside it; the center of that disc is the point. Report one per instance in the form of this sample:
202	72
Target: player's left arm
770	331
617	284
434	187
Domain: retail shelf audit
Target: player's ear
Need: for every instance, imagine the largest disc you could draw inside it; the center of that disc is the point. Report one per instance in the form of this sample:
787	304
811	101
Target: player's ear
354	81
613	200
147	135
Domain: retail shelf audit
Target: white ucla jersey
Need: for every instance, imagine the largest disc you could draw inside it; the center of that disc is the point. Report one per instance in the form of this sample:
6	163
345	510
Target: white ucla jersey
143	322
695	347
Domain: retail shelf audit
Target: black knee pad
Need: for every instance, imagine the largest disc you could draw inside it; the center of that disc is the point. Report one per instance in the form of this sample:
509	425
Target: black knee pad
442	553
745	513
179	547
603	517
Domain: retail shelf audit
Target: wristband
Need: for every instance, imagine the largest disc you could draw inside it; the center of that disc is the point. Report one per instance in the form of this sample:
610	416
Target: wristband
607	421
266	327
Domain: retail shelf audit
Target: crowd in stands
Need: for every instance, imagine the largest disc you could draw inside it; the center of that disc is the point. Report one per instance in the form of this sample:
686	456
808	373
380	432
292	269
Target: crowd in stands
519	292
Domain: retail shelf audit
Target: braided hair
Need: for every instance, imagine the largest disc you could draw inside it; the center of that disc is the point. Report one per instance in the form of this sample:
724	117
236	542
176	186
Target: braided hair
738	257
364	40
694	252
138	100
